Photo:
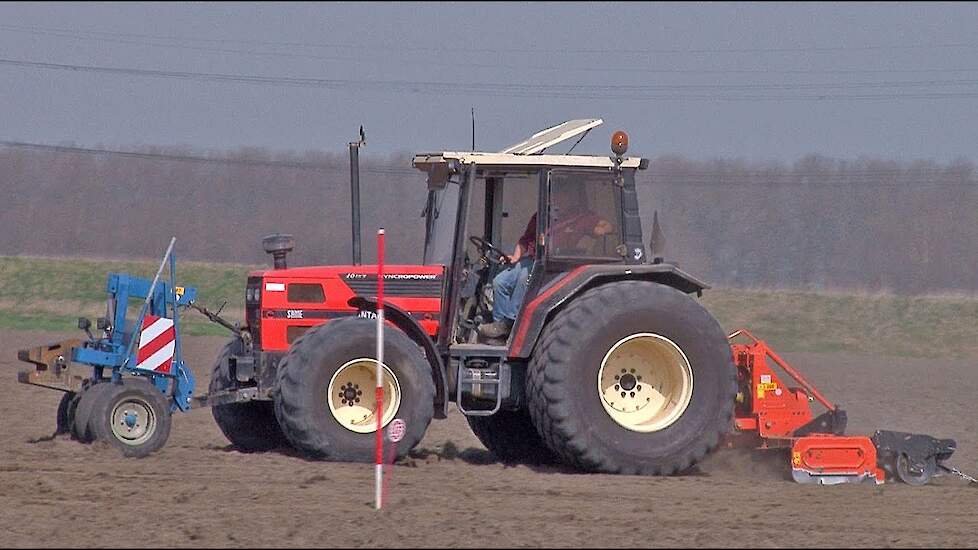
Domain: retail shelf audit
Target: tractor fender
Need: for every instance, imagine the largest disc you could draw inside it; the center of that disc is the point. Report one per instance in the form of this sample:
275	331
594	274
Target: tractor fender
562	289
404	321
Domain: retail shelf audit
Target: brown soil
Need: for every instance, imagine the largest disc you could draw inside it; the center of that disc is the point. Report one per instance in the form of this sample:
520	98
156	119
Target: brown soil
198	492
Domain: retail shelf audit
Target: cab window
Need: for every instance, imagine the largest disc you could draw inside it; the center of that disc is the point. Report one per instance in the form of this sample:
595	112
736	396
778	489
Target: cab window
585	215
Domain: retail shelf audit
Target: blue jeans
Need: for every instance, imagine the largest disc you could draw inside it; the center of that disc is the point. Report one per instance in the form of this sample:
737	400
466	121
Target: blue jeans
508	289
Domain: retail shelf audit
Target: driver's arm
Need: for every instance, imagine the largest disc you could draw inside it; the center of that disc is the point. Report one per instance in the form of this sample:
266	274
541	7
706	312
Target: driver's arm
517	253
527	240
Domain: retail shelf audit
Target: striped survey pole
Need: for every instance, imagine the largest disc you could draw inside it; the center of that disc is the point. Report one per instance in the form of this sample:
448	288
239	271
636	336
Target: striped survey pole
379	466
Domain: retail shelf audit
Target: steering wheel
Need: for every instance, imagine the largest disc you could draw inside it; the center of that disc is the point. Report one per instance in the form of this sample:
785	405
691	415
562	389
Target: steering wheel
490	251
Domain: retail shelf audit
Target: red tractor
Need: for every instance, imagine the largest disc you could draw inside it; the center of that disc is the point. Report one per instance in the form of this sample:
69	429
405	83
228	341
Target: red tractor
610	365
574	348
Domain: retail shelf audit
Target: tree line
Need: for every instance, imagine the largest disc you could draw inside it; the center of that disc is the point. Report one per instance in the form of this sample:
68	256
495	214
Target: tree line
818	223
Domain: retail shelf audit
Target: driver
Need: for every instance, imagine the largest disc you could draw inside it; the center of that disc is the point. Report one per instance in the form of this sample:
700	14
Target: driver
573	220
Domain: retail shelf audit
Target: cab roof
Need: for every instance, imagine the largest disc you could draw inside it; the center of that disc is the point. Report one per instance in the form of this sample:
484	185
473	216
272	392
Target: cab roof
424	161
529	152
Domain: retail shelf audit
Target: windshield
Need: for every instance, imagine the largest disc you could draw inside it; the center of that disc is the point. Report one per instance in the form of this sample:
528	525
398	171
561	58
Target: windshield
440	215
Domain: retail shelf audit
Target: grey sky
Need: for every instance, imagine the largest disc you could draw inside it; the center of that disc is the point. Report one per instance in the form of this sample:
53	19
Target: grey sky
802	51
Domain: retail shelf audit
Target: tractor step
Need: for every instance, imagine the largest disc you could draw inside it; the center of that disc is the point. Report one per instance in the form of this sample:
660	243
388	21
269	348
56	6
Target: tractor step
482	387
483	379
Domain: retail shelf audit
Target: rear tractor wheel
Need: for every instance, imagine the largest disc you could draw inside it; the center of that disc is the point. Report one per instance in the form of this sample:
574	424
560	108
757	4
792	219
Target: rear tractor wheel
632	377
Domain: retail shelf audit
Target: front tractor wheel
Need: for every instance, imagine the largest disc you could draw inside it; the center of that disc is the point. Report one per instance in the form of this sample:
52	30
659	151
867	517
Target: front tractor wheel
632	377
250	426
326	390
352	395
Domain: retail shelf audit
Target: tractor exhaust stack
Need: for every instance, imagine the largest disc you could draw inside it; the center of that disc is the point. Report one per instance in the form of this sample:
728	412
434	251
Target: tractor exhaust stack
278	245
355	193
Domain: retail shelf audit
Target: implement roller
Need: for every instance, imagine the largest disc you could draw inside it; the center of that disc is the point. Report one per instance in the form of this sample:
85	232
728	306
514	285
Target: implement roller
771	415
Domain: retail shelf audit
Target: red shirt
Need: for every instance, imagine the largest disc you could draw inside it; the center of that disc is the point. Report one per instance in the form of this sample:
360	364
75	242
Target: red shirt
572	229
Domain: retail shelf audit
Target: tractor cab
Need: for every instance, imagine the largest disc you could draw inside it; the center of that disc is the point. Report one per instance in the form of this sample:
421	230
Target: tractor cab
568	219
565	211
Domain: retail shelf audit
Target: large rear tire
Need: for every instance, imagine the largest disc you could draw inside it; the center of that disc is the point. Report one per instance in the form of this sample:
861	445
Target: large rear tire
250	426
511	437
326	386
632	377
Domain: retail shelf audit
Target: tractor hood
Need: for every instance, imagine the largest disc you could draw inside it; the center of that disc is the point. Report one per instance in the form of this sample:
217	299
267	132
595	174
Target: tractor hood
282	303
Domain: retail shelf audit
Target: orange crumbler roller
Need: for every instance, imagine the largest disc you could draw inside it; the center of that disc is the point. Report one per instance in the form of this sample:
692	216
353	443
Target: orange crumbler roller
772	415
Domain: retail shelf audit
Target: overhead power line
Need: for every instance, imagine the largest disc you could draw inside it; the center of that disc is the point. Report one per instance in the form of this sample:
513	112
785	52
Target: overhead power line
178	45
831	176
192	158
97	34
575	66
685	92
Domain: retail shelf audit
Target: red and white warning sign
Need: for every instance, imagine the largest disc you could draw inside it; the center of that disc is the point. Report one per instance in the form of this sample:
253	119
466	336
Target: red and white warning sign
395	432
156	343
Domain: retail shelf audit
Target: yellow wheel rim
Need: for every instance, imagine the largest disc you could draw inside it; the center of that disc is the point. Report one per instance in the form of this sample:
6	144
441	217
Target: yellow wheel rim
645	382
352	395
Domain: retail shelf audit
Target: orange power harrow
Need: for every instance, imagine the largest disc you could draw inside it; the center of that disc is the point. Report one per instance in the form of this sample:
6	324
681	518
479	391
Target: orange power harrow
769	414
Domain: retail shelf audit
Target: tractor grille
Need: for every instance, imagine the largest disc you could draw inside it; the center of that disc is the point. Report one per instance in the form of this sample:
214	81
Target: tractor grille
396	285
253	309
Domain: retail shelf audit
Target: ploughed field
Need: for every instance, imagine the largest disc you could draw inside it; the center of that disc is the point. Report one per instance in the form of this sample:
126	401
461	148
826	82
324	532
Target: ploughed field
198	492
